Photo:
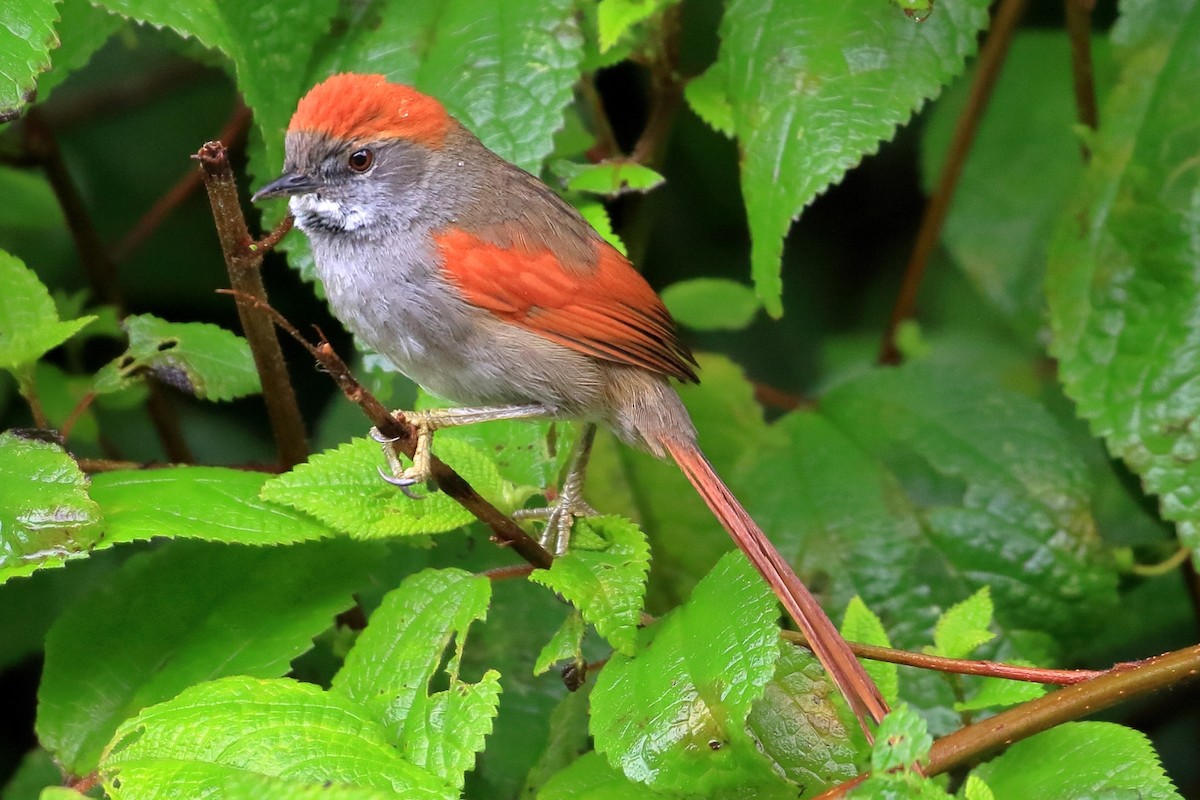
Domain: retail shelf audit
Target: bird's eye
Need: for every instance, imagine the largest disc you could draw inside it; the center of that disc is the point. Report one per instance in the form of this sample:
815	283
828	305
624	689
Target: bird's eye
361	160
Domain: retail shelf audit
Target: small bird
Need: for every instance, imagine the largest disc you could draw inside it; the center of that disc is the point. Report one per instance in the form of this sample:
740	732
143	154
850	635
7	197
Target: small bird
485	287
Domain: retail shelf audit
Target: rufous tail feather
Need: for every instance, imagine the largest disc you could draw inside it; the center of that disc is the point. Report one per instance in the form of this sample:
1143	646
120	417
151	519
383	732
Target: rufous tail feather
827	644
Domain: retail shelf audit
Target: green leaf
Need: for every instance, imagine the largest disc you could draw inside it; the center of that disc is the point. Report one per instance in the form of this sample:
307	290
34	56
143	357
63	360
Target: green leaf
590	777
1121	285
276	728
262	41
708	96
964	626
674	715
343	489
861	625
81	32
29	324
505	68
195	357
609	178
46	515
36	771
1091	759
711	304
26	38
38	209
391	665
975	789
813	89
997	693
604	576
901	741
568	742
180	615
1023	165
597	216
796	723
167	779
615	17
567	643
212	503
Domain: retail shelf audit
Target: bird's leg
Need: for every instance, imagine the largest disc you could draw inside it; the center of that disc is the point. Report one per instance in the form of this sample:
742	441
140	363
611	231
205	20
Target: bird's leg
426	422
560	516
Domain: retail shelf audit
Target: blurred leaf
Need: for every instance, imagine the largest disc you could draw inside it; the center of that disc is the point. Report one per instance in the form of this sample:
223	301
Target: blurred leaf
195	357
569	742
46	515
38	209
796	723
29	324
711	304
343	489
590	777
674	715
1091	759
81	31
564	645
814	88
36	771
505	68
212	503
391	665
1023	165
1121	284
964	626
604	576
180	615
975	789
608	178
998	693
26	38
616	17
59	394
861	625
277	728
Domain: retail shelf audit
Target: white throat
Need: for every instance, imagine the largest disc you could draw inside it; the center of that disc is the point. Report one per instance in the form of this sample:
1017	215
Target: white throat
312	208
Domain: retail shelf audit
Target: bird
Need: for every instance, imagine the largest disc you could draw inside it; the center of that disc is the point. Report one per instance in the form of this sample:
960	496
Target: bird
481	284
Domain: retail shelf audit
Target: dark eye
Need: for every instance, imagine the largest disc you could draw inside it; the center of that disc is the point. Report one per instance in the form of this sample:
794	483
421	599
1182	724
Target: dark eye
361	160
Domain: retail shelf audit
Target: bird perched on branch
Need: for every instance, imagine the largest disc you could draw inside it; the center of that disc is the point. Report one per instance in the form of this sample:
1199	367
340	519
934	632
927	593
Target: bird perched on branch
482	285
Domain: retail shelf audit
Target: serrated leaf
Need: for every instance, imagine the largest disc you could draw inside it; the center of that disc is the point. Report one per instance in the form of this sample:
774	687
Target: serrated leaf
708	96
605	580
814	88
180	615
391	665
901	741
212	503
796	723
615	17
609	178
343	489
1091	759
711	304
195	357
998	693
275	728
861	625
674	715
46	515
964	626
1023	165
26	38
168	779
566	643
597	216
1121	285
81	31
29	324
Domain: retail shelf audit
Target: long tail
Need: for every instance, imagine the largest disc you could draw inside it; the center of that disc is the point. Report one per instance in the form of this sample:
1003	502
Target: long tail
827	644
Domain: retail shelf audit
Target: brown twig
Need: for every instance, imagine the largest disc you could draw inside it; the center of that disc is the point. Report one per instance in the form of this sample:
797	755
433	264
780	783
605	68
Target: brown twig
166	423
606	141
94	465
1070	703
27	387
508	573
504	530
83	405
666	91
86	783
1079	30
243	258
991	59
234	132
961	666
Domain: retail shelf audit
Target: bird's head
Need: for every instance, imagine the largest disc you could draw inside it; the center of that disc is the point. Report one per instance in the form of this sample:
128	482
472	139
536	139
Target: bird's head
358	152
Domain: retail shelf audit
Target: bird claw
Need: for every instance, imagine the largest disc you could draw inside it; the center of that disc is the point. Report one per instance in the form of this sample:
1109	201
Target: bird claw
559	518
403	483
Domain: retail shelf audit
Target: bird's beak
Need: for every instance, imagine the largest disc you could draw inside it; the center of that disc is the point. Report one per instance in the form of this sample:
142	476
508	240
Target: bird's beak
286	185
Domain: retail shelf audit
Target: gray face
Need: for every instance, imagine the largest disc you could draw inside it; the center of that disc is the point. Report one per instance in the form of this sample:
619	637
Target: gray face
358	187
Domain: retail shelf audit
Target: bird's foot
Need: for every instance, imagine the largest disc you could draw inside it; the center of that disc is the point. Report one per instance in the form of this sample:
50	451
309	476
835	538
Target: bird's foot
559	518
404	478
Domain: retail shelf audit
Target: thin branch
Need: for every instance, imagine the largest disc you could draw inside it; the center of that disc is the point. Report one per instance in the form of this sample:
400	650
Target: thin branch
166	423
508	573
234	132
94	465
1119	684
1079	30
505	531
991	59
243	258
83	405
961	666
1168	564
27	387
606	141
666	91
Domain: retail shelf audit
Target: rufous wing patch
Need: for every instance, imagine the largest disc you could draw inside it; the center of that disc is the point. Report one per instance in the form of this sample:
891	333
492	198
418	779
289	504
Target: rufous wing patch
608	311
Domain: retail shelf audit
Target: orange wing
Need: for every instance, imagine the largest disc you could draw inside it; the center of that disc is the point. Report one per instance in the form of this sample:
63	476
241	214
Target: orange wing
606	309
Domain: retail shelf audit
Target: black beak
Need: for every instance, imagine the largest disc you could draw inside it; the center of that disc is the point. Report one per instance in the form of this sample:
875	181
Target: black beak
286	185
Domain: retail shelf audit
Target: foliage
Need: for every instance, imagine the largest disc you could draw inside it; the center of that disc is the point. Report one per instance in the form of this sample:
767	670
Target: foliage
196	624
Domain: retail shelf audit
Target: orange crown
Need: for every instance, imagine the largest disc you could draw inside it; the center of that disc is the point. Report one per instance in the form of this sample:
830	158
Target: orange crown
350	107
